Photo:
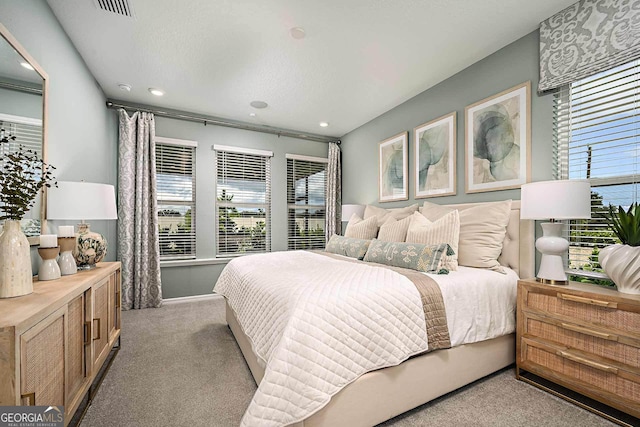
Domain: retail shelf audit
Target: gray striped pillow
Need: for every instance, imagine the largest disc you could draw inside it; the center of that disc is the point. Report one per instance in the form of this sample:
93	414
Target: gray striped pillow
362	229
444	230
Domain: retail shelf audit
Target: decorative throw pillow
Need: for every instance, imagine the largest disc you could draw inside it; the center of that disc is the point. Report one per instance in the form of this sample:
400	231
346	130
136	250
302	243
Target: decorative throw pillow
408	255
446	229
383	214
482	231
362	229
393	230
353	248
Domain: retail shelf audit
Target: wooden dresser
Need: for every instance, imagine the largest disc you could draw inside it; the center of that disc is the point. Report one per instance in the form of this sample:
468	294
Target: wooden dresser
584	338
54	341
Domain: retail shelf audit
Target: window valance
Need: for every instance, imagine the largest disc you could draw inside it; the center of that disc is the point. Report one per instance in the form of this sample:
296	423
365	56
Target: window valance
586	38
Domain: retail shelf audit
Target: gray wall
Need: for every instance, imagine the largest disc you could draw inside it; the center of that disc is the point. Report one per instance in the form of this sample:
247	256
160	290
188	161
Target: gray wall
22	104
196	280
510	66
82	132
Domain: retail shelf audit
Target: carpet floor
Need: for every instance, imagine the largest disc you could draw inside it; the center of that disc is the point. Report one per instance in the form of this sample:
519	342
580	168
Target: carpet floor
180	366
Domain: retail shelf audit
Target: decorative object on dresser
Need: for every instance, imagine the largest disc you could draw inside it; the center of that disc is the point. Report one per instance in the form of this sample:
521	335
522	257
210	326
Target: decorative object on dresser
581	342
23	175
555	200
435	152
621	262
84	201
393	168
67	241
498	141
48	250
54	342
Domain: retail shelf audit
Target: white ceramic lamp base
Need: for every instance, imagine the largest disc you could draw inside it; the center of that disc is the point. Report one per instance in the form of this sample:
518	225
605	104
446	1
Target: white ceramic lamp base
552	246
91	247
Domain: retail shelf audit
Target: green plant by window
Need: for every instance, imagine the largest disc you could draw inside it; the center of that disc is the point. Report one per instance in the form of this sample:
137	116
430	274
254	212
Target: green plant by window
625	224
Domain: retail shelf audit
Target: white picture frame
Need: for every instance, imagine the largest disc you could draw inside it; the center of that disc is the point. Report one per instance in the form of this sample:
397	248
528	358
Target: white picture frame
435	157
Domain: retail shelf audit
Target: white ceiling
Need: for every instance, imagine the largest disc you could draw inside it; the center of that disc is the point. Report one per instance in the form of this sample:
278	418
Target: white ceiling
359	58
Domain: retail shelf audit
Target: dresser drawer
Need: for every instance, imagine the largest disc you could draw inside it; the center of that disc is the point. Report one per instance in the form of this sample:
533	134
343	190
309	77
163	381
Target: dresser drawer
595	378
598	311
591	340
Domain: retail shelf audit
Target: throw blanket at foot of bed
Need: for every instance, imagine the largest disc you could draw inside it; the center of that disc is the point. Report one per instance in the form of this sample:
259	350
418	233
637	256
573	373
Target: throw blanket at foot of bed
317	323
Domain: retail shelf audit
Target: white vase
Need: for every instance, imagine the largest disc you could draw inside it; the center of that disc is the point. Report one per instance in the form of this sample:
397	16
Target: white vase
15	261
622	265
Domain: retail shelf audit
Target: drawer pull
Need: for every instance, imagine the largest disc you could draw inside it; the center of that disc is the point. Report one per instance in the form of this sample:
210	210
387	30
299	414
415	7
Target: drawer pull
98	328
589	301
31	398
587	331
87	332
587	362
118	299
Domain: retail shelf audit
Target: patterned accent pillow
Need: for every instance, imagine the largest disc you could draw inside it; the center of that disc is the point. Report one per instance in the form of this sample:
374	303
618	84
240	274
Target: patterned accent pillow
361	229
408	255
353	248
393	230
444	230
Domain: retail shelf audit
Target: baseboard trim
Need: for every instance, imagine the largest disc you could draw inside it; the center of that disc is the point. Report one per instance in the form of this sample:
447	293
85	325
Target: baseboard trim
192	298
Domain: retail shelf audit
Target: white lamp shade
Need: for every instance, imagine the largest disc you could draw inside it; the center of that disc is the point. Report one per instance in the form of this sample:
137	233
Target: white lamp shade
81	201
560	199
348	210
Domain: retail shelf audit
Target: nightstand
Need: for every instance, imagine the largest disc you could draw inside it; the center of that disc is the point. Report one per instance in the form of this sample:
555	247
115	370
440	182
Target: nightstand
581	342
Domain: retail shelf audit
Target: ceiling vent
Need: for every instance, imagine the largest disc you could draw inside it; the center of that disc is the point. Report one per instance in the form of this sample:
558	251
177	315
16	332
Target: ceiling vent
119	7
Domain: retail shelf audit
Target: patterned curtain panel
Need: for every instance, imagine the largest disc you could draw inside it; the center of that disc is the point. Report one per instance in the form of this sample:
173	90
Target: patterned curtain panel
334	192
138	236
586	38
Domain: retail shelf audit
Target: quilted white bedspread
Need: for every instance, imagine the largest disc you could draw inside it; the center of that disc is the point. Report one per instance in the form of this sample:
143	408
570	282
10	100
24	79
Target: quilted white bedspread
318	323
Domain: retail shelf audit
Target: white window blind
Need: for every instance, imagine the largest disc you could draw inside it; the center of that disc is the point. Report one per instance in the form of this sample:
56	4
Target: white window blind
176	184
243	201
306	189
597	136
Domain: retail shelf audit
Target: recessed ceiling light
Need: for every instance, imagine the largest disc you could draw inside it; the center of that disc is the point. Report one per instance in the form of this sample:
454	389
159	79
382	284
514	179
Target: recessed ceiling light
156	92
259	104
324	124
125	87
26	65
252	114
297	33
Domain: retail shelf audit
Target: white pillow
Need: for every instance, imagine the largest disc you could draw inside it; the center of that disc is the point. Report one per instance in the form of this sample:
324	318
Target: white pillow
482	231
393	230
443	230
383	214
361	229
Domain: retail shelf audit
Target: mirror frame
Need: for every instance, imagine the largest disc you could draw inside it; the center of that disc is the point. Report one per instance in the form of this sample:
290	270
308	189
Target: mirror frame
45	91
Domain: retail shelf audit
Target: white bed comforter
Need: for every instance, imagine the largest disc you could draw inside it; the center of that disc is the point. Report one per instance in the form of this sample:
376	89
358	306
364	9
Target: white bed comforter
318	323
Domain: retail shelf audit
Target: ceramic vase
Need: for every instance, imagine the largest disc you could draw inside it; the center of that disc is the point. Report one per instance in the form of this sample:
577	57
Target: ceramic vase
15	261
622	265
91	247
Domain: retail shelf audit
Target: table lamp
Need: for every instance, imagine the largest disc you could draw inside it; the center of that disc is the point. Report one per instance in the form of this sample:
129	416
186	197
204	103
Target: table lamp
554	200
83	201
348	210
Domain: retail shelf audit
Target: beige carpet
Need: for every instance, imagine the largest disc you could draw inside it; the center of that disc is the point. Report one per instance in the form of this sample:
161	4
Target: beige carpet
180	366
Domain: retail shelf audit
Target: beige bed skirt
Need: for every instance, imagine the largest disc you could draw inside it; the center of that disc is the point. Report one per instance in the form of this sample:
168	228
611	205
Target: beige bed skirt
385	393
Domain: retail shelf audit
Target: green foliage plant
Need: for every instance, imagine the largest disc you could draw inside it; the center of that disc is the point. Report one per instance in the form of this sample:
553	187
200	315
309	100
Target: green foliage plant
625	224
22	176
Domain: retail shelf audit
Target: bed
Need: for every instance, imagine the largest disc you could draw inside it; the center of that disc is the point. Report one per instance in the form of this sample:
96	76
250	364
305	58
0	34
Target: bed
381	394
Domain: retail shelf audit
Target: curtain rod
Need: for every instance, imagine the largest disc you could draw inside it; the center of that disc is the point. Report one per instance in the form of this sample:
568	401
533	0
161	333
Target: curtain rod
216	121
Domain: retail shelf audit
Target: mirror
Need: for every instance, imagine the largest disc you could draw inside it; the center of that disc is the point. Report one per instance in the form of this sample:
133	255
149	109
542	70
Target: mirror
23	111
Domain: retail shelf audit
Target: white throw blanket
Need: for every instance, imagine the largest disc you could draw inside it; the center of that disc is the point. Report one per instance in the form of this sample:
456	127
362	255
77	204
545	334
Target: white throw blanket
318	324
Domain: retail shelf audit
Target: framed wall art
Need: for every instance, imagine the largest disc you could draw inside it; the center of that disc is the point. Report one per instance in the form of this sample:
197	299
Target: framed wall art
393	168
498	141
435	157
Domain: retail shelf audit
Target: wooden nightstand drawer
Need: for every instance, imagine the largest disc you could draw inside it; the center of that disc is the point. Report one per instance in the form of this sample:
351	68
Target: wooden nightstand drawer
586	338
591	376
597	310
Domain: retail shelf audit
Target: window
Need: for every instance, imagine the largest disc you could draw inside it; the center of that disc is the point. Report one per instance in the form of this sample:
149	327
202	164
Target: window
176	184
597	135
306	184
243	200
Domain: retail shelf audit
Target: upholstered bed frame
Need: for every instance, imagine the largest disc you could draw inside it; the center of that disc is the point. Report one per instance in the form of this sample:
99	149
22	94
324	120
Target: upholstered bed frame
385	393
